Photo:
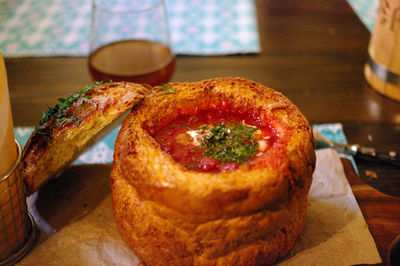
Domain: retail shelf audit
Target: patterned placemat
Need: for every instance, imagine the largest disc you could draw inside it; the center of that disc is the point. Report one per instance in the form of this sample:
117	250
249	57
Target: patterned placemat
335	133
61	27
366	10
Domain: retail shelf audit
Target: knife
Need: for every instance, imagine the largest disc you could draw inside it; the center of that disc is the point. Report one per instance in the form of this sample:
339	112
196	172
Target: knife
357	150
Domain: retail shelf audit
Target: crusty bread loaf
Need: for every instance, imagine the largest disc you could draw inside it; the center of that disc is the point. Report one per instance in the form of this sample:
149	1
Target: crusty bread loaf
69	127
170	215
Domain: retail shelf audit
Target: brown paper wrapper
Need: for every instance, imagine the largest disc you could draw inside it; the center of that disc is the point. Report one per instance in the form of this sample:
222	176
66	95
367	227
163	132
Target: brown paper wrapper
74	214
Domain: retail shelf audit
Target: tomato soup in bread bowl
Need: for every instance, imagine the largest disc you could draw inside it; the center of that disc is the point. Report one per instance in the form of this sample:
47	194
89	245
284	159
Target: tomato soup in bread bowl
215	172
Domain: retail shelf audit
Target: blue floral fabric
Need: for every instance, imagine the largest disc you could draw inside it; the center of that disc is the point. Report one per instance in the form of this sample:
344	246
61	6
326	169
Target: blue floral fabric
335	133
61	27
366	10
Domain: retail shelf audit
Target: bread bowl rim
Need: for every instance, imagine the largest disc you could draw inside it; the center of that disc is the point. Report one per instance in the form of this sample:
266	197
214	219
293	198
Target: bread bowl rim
218	193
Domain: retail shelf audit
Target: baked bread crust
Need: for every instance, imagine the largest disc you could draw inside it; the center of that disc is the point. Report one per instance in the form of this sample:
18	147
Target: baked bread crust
170	215
58	141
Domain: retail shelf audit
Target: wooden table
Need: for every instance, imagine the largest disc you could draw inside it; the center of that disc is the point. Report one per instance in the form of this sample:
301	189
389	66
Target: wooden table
312	51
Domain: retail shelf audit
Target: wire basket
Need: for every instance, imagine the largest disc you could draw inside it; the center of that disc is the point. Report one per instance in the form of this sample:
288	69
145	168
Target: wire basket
17	227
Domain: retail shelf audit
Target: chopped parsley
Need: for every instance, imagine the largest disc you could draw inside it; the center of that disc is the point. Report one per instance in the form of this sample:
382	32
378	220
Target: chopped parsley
230	143
59	112
203	129
166	88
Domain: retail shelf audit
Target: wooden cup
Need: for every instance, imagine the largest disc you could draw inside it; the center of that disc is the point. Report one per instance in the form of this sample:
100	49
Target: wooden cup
382	70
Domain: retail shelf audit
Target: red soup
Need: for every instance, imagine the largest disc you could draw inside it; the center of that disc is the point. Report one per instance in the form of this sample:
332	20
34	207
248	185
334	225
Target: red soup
215	140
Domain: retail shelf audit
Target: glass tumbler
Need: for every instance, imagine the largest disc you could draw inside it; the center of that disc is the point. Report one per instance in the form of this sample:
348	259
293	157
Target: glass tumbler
130	41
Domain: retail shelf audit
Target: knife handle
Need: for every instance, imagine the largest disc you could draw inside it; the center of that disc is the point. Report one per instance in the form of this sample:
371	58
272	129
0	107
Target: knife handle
383	156
390	157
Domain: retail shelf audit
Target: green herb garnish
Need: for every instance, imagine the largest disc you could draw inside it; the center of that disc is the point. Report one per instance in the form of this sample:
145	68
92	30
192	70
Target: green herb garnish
166	88
202	129
230	144
59	112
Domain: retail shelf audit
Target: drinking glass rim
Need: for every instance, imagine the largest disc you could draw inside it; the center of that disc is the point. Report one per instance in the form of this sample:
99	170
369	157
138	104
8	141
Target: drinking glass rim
110	11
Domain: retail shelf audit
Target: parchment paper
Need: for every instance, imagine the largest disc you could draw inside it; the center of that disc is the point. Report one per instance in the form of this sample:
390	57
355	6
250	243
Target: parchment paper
74	217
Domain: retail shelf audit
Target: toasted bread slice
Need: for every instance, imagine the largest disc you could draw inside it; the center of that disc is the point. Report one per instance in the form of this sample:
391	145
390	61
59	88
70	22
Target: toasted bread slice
68	128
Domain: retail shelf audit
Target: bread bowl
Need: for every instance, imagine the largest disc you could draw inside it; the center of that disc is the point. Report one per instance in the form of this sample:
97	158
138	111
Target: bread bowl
246	211
66	129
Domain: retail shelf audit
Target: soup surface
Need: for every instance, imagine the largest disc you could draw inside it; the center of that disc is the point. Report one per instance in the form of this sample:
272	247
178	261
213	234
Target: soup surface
215	140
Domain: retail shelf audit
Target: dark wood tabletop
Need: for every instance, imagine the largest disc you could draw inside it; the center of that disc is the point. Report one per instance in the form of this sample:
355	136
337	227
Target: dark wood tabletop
313	52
